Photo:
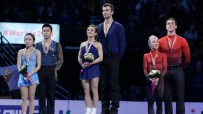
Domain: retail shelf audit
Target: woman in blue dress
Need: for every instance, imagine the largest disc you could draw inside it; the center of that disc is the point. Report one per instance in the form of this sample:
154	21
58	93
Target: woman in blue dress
28	80
89	57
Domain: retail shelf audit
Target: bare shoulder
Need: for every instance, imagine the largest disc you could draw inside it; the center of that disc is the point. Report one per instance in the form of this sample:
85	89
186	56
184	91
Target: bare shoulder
83	44
97	44
38	51
20	51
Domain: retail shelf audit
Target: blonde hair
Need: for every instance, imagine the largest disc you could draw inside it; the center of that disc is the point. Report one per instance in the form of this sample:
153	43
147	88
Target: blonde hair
151	38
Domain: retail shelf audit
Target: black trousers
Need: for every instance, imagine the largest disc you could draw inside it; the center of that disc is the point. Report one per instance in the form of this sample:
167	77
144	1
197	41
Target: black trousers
46	90
109	84
158	95
174	82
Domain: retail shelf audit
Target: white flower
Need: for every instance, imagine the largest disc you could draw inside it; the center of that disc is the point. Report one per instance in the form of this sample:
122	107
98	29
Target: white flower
154	72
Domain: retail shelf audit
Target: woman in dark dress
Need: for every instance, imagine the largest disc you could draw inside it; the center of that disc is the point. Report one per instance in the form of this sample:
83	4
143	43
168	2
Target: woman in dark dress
89	57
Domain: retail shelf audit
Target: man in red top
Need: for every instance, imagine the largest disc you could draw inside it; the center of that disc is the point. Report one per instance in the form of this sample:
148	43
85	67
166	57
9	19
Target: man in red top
178	55
154	60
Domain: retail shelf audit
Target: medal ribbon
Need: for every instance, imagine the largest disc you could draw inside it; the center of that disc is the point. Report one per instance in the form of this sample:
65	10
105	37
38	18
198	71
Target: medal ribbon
46	47
88	47
153	59
169	42
27	55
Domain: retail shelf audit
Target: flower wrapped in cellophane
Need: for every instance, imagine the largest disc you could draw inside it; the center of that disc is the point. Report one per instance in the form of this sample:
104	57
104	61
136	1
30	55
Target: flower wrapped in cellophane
153	75
23	70
88	57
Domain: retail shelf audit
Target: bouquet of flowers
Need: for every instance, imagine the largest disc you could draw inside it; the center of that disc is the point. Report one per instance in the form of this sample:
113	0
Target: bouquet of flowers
23	70
88	57
154	74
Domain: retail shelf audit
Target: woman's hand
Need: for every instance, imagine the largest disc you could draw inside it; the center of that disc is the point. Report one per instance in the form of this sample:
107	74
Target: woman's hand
29	74
86	64
154	81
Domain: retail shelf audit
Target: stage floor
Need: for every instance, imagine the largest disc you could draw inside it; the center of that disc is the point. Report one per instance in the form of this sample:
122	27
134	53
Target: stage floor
9	106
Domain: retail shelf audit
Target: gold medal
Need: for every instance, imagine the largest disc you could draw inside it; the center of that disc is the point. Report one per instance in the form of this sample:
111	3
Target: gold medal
153	59
169	43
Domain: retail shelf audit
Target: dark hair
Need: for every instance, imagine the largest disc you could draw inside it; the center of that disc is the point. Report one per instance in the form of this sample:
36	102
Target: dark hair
32	35
47	25
95	27
172	20
108	4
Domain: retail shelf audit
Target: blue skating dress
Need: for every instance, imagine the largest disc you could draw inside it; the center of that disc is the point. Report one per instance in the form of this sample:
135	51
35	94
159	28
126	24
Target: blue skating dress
31	65
92	71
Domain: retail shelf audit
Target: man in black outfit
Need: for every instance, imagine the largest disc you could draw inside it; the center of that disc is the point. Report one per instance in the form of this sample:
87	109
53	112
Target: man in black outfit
112	36
52	60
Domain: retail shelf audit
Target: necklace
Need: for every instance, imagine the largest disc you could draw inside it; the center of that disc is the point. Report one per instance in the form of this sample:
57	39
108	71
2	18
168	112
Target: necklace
153	59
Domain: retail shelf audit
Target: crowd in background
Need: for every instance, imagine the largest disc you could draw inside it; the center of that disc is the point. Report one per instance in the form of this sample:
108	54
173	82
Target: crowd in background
141	18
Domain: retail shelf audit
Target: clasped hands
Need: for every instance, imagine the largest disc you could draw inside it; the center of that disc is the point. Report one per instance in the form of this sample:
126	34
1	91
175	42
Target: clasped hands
27	76
154	81
86	64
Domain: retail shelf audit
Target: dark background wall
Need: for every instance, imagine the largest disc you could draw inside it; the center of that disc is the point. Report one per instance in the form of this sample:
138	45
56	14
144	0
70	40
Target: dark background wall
141	18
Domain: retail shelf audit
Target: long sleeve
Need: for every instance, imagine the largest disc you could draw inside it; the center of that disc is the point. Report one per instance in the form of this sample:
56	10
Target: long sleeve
115	42
122	41
186	53
164	65
160	60
59	56
145	65
179	54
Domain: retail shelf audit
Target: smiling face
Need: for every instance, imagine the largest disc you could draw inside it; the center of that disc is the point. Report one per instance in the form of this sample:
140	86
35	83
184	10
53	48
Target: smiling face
91	32
153	42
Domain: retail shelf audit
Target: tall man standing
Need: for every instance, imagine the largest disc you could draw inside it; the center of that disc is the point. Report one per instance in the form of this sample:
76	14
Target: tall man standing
52	60
178	55
112	36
